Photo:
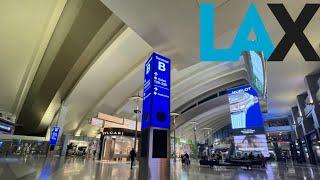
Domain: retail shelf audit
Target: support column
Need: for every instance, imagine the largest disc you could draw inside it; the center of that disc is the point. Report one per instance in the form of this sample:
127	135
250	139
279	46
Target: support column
61	118
65	141
174	116
195	148
295	116
312	83
301	105
136	100
307	126
302	155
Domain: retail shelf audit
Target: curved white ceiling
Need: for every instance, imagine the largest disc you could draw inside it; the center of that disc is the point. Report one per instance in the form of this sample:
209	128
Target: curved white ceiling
26	28
178	29
118	73
114	64
169	27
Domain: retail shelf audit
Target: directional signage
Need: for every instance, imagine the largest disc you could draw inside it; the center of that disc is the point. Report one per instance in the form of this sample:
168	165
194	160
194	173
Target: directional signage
156	94
54	135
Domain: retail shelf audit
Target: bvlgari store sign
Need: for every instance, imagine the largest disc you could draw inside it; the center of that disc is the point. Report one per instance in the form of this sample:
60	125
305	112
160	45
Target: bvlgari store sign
118	132
113	133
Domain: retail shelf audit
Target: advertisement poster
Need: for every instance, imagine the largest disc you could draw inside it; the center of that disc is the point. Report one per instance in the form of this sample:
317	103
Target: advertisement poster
244	108
255	143
255	65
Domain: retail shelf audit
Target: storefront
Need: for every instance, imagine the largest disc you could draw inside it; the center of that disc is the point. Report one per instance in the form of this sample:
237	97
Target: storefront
78	146
116	143
22	145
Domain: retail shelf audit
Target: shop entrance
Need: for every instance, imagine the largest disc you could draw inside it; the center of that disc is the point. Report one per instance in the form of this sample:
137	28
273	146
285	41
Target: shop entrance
117	144
117	148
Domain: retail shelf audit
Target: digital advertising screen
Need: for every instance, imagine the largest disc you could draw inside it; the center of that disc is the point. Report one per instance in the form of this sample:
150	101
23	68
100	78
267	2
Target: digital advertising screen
258	71
255	143
255	65
244	108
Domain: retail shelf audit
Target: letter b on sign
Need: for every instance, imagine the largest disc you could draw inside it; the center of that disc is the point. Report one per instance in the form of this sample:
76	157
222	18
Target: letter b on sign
161	66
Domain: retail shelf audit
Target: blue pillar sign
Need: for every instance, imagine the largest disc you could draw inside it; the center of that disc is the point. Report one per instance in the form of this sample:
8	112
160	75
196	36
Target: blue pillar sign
54	135
156	92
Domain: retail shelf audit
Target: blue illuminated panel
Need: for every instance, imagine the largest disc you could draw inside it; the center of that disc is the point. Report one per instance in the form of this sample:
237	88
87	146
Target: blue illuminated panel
156	94
54	135
244	108
147	93
247	121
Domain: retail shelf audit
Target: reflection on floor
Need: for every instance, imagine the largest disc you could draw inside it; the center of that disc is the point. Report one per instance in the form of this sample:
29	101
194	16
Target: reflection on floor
60	168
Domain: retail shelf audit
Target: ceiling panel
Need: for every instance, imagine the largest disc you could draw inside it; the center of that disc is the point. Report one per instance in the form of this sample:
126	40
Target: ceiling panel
96	89
26	27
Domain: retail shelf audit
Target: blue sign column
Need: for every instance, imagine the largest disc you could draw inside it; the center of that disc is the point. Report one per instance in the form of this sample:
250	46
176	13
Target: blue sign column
156	96
155	146
54	135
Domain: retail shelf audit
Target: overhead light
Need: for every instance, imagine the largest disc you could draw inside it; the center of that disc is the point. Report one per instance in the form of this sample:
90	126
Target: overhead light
137	98
173	114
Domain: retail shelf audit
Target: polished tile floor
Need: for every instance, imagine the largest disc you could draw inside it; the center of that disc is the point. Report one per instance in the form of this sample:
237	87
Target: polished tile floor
80	169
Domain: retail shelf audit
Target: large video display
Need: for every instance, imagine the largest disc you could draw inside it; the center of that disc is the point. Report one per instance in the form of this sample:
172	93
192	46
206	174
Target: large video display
258	71
255	64
244	108
255	143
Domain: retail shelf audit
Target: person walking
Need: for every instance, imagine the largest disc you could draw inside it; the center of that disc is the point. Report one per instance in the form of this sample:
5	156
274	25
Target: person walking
132	156
187	159
251	157
284	158
263	160
94	154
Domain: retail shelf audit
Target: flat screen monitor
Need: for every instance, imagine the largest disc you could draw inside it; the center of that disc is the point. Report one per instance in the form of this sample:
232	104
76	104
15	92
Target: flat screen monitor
255	64
255	143
244	108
